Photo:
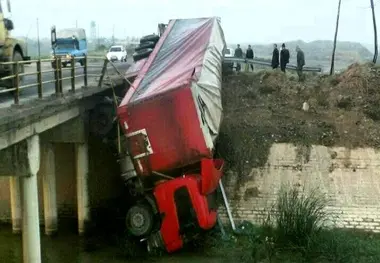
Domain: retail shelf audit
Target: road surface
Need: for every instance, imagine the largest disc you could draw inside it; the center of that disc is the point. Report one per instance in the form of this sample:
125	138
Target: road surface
6	99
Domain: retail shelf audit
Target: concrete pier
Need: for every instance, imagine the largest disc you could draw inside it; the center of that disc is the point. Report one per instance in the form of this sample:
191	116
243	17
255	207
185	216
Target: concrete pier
82	186
15	198
30	217
50	191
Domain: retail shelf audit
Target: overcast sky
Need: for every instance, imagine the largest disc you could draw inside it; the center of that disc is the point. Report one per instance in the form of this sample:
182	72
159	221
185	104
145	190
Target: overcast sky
256	21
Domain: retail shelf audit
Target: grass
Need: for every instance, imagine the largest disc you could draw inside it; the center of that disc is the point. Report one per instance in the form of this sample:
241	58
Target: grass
298	218
294	233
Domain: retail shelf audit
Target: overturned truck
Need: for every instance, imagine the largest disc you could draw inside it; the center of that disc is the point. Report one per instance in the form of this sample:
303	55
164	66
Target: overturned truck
170	117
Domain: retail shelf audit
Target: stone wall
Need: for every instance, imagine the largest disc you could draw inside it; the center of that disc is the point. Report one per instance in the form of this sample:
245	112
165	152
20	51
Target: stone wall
349	178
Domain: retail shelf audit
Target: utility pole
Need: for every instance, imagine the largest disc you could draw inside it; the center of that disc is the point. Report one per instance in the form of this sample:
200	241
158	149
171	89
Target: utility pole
98	35
335	38
375	32
38	40
113	35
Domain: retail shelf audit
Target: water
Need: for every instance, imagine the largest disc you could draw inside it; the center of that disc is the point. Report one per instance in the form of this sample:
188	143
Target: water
67	247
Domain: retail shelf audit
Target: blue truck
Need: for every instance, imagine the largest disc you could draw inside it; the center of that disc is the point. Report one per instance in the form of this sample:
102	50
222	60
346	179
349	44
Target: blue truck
70	42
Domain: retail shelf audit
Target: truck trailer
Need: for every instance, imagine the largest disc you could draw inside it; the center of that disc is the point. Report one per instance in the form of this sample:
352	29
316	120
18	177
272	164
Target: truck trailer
11	49
170	117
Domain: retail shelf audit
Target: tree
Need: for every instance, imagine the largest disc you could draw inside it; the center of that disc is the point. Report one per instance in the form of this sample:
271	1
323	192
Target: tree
335	37
375	32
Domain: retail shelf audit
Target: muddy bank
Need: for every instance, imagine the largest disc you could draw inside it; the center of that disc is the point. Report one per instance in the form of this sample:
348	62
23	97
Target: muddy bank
270	107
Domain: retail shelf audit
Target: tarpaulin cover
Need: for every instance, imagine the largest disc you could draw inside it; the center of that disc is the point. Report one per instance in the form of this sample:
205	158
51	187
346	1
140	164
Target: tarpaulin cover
191	53
79	33
135	68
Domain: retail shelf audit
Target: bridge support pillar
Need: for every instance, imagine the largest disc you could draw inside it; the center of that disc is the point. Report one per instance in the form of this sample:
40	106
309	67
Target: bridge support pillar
82	187
16	212
50	191
30	216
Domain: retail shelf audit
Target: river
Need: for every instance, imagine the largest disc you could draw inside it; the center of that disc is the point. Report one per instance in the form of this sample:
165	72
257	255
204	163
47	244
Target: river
67	247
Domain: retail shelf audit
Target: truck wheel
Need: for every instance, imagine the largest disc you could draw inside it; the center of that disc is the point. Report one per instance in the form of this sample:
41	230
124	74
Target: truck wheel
81	61
139	220
154	38
144	53
148	44
11	83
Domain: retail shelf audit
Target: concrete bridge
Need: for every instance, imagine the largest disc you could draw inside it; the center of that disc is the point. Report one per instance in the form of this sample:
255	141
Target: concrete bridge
30	128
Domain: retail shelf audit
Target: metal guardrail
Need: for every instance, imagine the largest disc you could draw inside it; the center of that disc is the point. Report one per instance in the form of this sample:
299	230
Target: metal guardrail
268	64
58	79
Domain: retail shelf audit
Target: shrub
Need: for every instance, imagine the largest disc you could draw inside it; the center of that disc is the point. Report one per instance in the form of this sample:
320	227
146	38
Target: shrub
298	217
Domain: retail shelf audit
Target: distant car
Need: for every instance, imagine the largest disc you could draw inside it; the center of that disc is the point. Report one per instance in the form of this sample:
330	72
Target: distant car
229	53
117	53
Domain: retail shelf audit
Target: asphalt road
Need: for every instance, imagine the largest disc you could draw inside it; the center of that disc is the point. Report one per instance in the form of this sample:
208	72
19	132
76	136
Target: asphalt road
6	99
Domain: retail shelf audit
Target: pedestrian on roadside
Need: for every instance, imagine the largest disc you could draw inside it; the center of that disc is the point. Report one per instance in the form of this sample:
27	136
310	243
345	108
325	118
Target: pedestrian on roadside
275	57
300	63
249	55
238	54
284	57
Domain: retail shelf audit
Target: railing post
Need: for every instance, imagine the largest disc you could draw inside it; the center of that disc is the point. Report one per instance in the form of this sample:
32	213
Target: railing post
56	76
16	82
72	74
60	76
104	69
85	72
39	78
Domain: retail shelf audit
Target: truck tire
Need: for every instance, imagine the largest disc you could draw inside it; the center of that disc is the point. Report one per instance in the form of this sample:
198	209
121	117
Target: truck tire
11	83
148	44
139	220
144	53
154	38
82	60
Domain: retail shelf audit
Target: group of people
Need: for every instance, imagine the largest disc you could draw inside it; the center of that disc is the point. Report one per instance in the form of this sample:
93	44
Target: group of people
248	55
279	58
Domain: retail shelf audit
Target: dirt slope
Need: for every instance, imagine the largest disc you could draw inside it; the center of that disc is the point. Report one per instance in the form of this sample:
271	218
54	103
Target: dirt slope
267	107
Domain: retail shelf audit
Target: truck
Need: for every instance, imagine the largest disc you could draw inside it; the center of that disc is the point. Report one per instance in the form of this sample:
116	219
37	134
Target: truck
11	49
69	43
170	120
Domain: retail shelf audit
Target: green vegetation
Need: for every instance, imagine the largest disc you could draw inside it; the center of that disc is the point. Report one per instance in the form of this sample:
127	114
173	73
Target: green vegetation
293	233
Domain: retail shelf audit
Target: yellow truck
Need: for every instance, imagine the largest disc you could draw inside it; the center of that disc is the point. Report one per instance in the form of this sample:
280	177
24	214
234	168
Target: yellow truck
11	49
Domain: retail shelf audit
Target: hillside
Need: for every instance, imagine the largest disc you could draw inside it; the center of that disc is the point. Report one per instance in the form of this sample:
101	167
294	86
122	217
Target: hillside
318	53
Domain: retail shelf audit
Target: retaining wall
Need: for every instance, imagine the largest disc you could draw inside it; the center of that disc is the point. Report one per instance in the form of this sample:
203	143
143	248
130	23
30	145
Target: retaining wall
350	178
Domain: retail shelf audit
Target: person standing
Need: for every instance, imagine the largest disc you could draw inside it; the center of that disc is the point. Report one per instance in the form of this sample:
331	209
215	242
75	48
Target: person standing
275	57
238	54
284	57
249	55
300	63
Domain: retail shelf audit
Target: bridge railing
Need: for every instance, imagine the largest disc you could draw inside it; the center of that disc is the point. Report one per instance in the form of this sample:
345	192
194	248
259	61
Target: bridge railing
14	83
268	64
